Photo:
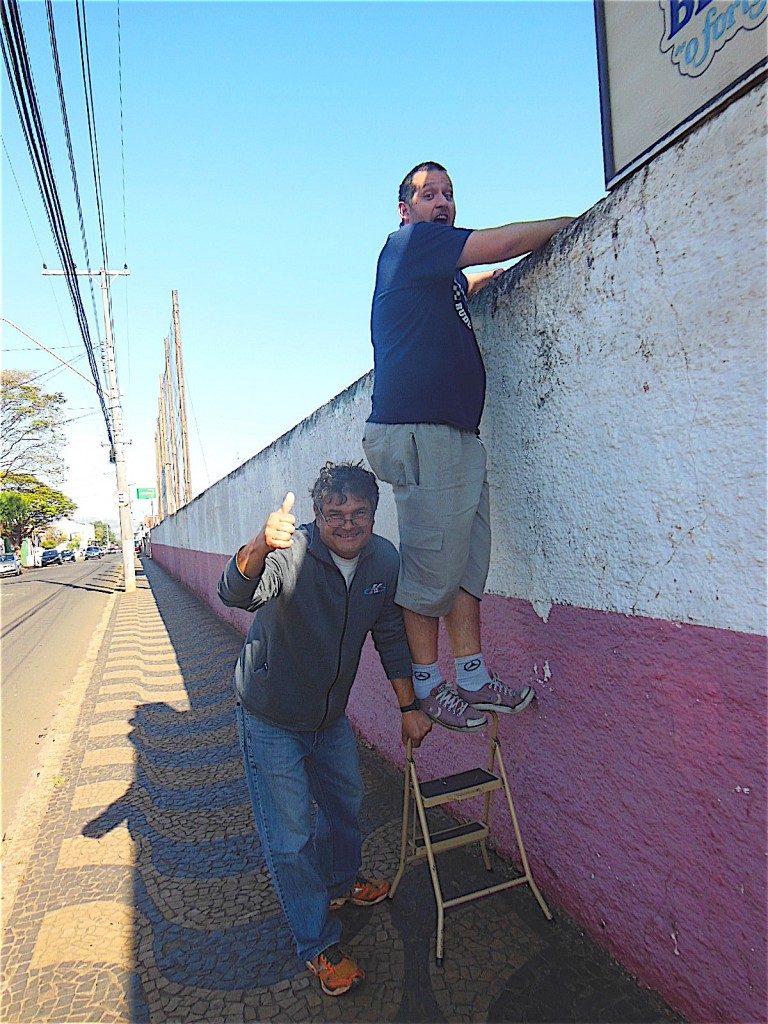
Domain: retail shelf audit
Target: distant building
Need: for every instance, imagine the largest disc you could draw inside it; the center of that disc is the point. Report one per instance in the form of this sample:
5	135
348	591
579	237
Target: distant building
72	529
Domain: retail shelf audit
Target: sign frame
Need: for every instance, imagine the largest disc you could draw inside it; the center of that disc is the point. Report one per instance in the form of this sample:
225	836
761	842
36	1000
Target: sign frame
614	174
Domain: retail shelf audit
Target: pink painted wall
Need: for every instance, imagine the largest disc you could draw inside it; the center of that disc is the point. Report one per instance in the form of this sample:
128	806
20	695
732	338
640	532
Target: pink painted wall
639	780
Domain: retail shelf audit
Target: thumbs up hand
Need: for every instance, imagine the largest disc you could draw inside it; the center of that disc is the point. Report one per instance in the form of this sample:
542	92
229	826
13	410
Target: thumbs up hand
280	526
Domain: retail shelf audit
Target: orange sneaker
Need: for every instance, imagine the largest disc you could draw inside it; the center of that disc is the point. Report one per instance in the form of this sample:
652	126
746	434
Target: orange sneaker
364	893
336	972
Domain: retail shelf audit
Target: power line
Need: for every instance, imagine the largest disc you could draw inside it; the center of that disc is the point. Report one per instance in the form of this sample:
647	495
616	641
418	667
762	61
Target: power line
70	152
122	133
122	165
34	235
21	196
17	64
90	110
45	349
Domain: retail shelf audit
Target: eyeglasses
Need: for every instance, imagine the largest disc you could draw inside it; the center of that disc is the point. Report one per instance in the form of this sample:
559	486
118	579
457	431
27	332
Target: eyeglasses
359	518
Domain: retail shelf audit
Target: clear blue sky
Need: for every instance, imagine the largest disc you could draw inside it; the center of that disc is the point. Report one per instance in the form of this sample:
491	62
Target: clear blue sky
263	145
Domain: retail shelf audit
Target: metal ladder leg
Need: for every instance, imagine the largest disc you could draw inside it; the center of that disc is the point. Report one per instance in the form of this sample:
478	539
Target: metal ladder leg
404	831
461	786
430	860
518	835
487	799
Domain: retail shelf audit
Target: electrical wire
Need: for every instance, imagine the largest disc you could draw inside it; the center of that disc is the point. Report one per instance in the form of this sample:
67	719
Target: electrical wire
200	442
70	152
122	132
37	242
85	66
90	111
45	349
122	165
16	58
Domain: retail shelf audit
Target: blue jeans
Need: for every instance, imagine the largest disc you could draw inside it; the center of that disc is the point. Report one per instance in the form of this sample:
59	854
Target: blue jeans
286	770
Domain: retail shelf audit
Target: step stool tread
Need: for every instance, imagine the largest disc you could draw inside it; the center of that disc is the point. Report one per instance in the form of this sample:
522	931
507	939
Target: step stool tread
452	785
469	828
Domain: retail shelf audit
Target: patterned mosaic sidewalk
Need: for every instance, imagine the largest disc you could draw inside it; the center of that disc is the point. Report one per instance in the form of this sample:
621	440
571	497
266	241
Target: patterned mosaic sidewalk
144	896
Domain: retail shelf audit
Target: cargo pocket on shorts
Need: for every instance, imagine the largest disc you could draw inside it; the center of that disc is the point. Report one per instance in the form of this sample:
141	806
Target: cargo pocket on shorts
423	568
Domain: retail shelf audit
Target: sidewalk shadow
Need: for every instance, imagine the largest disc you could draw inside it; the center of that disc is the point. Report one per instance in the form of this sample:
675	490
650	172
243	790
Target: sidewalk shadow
209	936
209	941
206	918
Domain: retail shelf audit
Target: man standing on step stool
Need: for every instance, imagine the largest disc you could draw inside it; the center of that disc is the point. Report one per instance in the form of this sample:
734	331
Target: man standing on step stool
316	593
422	435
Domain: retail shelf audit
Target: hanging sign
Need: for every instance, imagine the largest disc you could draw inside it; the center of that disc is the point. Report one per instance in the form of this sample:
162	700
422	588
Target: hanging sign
666	64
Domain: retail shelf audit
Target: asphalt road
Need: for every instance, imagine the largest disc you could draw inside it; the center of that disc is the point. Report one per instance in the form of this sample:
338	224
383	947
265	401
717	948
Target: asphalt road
48	616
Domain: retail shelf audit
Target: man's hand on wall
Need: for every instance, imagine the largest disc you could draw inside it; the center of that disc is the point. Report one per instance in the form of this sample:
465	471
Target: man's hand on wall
476	282
281	524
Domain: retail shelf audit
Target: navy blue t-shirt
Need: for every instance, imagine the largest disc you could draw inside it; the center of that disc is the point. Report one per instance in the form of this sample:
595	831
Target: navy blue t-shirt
427	366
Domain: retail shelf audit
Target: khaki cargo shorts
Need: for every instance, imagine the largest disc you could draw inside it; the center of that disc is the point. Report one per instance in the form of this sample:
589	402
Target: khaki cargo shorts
439	479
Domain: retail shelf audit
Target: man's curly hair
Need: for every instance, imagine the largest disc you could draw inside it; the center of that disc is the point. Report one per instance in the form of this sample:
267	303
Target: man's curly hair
338	481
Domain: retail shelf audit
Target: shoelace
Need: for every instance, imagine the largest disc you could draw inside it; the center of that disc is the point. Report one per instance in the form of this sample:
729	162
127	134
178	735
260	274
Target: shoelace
330	957
496	684
451	701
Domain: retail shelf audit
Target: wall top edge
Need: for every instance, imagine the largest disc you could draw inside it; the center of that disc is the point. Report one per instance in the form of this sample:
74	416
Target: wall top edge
284	440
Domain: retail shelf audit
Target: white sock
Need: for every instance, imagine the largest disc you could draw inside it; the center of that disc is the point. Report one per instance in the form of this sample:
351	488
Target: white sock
471	673
425	679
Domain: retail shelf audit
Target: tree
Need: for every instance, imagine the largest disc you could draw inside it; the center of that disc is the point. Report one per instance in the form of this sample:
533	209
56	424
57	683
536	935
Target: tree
28	506
103	534
32	421
53	537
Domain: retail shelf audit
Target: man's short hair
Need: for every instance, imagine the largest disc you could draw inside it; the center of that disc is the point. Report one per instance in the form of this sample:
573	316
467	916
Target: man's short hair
407	188
338	481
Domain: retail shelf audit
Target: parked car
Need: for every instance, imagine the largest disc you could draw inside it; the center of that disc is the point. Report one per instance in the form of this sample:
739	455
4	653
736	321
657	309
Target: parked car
52	557
10	564
69	555
93	552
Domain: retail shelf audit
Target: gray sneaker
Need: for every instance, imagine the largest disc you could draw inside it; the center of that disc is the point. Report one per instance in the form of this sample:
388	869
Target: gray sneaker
497	696
444	706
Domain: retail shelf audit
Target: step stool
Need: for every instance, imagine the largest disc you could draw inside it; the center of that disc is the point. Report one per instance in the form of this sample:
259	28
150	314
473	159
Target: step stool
452	788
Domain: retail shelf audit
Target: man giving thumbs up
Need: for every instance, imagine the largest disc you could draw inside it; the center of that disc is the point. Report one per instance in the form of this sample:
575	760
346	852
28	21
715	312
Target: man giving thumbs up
316	592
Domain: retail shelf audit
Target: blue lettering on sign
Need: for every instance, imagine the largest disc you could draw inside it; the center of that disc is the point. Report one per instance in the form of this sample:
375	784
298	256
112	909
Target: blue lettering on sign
708	25
687	7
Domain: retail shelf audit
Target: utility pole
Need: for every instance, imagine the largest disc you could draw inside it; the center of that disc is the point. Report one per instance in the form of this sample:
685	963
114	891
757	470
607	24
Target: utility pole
166	465
171	422
116	416
187	492
159	465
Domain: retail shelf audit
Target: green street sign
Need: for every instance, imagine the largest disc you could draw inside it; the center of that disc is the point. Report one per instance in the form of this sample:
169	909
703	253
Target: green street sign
146	493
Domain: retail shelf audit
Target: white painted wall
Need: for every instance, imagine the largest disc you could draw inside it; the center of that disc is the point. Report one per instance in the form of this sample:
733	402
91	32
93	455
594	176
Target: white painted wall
626	397
626	381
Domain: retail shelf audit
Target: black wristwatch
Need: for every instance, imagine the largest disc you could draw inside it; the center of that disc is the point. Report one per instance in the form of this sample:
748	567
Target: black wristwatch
411	707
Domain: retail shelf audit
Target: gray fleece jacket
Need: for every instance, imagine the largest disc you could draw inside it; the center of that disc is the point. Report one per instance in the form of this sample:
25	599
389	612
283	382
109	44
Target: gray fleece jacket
302	651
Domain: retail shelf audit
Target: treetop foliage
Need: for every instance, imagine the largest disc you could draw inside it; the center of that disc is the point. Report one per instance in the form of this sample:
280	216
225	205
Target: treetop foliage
28	506
31	435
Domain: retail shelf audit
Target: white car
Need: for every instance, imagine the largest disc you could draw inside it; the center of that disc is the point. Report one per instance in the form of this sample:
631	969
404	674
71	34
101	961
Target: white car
10	564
